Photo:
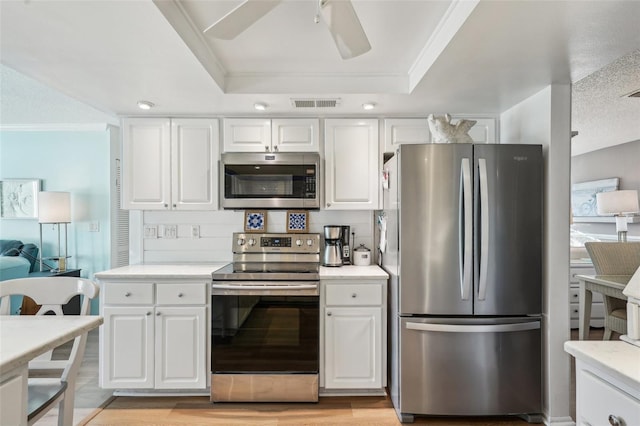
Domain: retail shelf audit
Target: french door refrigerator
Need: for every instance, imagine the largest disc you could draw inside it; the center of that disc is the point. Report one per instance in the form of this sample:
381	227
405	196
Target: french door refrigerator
464	253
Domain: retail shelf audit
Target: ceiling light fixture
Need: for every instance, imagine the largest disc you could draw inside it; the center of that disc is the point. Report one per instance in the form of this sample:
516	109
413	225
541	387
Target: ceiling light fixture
146	105
260	106
369	106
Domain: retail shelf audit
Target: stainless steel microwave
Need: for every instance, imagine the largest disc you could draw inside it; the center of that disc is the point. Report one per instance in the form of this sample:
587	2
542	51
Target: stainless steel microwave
270	180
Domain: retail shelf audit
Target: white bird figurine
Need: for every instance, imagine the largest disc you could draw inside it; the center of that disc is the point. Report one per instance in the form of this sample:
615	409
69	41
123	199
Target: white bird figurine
444	131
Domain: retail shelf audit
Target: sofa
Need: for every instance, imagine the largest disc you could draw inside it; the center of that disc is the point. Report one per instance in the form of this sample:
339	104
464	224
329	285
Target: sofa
17	260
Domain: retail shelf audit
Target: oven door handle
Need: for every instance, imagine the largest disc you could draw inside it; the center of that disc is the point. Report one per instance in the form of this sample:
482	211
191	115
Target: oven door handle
264	287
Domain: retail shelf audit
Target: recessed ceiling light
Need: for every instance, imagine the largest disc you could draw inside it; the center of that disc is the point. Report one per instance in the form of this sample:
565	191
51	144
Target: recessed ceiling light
146	105
368	106
260	106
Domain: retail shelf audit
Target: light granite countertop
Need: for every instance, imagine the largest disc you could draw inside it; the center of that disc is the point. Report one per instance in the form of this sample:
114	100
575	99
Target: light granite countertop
351	272
617	358
162	271
25	337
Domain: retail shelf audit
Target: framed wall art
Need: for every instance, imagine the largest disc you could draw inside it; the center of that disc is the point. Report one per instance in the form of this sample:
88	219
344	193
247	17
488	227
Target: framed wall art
255	221
583	196
297	221
19	198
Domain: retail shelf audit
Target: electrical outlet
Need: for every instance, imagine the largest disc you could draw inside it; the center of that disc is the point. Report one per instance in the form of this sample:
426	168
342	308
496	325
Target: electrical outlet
150	231
170	231
195	231
94	226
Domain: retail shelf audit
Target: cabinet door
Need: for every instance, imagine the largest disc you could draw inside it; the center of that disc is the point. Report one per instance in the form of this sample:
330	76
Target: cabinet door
402	131
126	355
353	348
194	154
180	348
295	135
351	164
247	135
146	173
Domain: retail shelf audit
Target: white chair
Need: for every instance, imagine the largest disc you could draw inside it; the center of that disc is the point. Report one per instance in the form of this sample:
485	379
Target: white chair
51	293
614	258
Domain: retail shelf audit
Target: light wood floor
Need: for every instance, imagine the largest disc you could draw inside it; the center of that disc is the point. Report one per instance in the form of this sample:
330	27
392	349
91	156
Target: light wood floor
95	406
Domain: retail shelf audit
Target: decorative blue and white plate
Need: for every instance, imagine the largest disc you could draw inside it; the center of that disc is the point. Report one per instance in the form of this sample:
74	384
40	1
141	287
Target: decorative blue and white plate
297	221
255	221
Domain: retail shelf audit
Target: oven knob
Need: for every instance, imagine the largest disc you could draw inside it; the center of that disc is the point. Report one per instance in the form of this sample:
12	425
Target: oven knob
252	242
298	243
240	241
309	242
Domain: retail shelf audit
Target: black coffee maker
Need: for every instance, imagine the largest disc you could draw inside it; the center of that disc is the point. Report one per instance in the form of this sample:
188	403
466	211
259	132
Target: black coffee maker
346	246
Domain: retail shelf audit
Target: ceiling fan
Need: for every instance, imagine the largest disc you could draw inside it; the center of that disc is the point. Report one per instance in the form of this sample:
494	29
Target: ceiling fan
339	16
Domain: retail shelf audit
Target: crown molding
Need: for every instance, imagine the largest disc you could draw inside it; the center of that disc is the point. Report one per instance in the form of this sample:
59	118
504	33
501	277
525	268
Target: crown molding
56	127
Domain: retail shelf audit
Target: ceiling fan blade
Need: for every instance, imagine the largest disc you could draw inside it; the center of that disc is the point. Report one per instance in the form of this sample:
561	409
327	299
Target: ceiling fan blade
239	19
345	27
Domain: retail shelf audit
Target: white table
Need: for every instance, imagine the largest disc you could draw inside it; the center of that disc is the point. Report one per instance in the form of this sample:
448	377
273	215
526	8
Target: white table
608	285
22	338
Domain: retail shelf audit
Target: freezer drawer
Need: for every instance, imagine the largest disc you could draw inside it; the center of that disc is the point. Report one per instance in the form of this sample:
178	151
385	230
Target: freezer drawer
470	366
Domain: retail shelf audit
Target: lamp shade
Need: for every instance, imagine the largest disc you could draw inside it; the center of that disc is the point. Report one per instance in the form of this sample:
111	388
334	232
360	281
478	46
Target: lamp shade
54	207
617	202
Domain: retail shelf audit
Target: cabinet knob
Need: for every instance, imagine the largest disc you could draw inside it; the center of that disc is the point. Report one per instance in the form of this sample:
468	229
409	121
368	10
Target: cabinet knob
158	314
166	205
275	148
328	204
148	313
328	314
180	294
174	206
614	420
266	149
127	294
353	295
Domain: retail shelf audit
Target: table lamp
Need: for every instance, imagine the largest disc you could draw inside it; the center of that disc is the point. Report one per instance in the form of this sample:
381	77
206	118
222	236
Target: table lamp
55	208
618	203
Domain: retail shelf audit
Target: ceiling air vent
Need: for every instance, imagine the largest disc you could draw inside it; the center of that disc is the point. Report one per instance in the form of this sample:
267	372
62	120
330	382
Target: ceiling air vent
315	103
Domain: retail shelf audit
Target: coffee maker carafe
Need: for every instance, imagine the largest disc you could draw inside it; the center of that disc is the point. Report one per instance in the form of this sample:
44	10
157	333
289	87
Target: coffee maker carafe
332	255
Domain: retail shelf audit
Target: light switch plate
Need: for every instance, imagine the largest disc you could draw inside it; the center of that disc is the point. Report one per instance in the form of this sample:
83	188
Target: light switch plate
150	231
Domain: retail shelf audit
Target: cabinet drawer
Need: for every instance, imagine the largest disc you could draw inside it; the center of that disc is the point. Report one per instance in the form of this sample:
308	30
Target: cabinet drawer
181	294
128	293
597	310
353	294
598	399
574	296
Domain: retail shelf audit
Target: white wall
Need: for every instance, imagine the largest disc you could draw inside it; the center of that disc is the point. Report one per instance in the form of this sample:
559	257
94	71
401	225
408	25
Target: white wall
544	118
216	228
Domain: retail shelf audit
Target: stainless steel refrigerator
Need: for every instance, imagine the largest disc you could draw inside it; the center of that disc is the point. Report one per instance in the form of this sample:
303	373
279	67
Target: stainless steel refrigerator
464	253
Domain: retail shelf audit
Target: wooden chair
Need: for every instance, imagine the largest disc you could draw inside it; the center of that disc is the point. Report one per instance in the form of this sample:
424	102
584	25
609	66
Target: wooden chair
45	393
614	258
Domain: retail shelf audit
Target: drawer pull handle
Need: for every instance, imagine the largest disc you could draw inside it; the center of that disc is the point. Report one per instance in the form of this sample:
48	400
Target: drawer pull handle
354	295
127	294
614	420
180	294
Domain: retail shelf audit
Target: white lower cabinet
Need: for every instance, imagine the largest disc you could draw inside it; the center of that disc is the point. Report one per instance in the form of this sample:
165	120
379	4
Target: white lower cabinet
597	304
353	333
602	399
159	341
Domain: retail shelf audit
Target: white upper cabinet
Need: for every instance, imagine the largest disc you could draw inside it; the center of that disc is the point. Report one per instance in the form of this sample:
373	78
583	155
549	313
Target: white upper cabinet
295	135
170	164
194	155
264	135
351	164
401	131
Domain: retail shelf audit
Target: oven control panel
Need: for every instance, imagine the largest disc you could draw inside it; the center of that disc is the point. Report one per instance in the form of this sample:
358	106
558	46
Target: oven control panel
275	243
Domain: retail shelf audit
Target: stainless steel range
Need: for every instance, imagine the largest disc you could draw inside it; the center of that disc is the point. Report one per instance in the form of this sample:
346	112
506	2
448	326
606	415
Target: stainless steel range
265	320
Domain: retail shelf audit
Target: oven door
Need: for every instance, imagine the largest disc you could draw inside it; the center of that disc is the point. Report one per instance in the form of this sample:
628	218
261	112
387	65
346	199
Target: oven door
264	341
283	180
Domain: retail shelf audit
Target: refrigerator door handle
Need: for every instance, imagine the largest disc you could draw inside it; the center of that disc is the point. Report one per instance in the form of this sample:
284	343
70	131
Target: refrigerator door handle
466	237
484	228
485	328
